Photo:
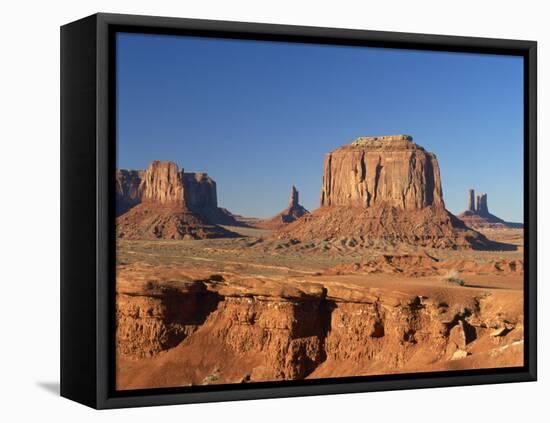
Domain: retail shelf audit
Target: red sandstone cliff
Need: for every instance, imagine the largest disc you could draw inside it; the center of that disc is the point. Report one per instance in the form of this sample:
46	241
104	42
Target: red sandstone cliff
389	170
182	329
162	183
165	183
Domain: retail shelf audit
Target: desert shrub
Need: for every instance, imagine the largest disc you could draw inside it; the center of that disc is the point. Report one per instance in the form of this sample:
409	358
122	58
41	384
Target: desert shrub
452	276
212	377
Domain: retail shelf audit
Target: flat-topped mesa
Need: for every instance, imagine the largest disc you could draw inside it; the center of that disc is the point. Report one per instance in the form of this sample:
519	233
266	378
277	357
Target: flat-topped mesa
164	184
361	141
384	170
164	202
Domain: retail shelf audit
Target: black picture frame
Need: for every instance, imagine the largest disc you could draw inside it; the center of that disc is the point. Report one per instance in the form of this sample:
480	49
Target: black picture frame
87	209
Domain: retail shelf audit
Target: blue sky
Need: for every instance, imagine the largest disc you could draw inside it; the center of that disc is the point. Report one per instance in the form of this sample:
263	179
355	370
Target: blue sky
259	116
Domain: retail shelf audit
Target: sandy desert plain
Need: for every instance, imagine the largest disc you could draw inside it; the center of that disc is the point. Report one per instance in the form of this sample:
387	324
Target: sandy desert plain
380	279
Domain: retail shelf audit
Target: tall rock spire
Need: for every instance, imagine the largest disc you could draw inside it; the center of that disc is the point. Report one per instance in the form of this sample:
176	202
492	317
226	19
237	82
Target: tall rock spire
294	198
471	200
483	209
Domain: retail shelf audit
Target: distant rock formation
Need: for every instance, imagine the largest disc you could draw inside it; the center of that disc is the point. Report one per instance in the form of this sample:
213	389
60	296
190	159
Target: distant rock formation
128	189
167	203
165	183
471	199
294	198
482	207
162	183
389	170
380	191
478	217
293	212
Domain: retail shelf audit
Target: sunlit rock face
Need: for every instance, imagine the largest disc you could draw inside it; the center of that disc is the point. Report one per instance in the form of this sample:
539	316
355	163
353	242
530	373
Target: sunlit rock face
389	170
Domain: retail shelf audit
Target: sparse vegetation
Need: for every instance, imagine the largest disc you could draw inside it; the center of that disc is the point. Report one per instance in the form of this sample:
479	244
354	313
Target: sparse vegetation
453	277
212	377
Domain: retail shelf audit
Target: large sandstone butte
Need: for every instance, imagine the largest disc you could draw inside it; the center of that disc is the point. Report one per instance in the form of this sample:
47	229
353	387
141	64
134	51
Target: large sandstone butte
293	212
382	191
164	202
477	214
389	170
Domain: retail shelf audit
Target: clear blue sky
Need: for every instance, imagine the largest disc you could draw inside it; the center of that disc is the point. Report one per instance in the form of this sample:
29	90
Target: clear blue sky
259	116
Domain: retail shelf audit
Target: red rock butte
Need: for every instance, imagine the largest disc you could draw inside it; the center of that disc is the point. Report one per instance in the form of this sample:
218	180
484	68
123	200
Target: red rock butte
166	202
164	183
390	170
380	191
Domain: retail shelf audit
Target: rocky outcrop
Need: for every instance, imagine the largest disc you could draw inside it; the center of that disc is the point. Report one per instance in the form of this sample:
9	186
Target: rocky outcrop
199	191
482	208
381	192
169	203
294	198
293	212
127	189
152	316
471	200
162	183
342	230
479	217
372	171
216	329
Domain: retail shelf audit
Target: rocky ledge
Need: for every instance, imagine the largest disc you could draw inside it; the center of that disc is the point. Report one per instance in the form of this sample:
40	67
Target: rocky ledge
179	329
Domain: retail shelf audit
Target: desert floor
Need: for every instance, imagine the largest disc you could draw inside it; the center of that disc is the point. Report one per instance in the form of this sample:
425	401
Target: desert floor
223	311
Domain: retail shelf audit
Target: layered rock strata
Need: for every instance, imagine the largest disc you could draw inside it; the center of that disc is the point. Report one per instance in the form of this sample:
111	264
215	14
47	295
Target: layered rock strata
165	183
222	329
372	171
